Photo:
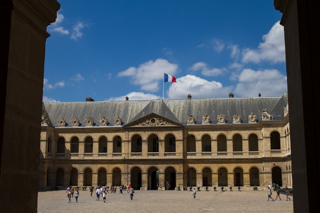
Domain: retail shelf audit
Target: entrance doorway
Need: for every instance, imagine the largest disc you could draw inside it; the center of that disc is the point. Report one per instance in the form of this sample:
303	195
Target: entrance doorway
136	178
153	178
170	178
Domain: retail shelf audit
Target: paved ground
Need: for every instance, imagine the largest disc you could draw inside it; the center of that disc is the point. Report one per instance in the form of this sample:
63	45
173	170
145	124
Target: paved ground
165	201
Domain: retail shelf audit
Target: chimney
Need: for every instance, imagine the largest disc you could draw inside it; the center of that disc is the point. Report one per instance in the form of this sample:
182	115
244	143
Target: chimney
127	98
89	99
259	94
189	96
231	95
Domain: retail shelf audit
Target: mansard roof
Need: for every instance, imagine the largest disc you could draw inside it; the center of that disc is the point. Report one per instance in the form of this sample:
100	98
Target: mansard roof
174	110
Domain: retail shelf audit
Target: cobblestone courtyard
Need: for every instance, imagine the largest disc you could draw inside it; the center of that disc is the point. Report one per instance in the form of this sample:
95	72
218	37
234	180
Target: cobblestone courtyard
165	201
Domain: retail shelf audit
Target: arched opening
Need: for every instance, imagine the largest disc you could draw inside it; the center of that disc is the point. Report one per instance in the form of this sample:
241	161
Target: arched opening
87	177
48	177
74	145
237	143
222	177
117	144
103	145
238	177
61	145
136	178
136	143
153	143
254	177
206	177
206	143
253	143
222	143
191	143
277	176
153	178
191	177
88	145
170	178
116	177
60	177
170	143
49	144
275	140
74	177
102	177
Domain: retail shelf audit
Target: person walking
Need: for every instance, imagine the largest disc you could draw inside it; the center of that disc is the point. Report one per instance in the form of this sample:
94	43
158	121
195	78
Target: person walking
104	196
91	190
69	196
194	192
269	193
98	193
287	194
278	195
76	195
72	191
121	190
131	191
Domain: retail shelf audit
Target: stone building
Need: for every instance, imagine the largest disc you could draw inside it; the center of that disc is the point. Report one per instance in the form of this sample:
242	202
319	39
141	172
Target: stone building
193	142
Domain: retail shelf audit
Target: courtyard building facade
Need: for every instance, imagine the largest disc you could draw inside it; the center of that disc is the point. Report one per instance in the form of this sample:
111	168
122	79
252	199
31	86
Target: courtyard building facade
166	144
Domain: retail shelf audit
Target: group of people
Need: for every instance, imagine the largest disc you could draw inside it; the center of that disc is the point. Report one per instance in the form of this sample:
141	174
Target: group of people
100	190
278	194
72	191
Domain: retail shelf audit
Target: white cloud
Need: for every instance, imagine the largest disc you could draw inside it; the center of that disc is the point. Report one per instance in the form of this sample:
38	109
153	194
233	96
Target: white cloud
76	31
218	44
46	85
235	65
148	73
77	77
46	99
55	27
206	71
235	52
268	82
198	88
271	49
136	96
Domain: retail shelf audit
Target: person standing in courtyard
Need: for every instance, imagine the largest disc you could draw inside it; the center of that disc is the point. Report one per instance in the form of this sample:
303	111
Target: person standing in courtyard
278	195
98	193
69	196
131	191
287	194
76	195
194	192
72	191
104	195
91	190
270	193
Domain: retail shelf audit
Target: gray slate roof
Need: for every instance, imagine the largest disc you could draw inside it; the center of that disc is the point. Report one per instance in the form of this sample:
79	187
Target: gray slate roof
175	110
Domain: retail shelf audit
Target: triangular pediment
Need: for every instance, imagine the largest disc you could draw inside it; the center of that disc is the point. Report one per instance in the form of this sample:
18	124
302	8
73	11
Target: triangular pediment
153	120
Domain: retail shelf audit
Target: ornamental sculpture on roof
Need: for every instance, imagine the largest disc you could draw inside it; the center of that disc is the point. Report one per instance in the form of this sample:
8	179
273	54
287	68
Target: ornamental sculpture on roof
221	119
154	121
286	110
190	119
206	119
89	121
103	121
45	120
75	122
117	121
252	118
236	119
265	115
62	122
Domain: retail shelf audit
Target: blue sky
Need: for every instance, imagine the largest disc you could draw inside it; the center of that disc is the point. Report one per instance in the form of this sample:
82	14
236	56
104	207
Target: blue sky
111	49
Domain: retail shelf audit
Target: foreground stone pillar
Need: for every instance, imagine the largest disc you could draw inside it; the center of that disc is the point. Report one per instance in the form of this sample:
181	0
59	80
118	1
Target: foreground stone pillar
22	49
301	28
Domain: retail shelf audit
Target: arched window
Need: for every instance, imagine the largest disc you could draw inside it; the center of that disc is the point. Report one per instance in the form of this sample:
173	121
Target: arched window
103	145
74	177
253	142
170	143
277	176
61	145
206	143
191	177
87	177
237	142
74	145
60	177
136	143
222	177
117	144
102	177
116	177
275	140
153	143
238	177
222	143
191	143
254	177
49	144
88	145
207	177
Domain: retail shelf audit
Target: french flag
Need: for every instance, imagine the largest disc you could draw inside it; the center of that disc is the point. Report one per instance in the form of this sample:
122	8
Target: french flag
169	78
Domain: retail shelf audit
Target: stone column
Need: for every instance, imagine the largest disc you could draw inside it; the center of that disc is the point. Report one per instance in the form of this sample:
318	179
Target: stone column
179	148
161	148
80	178
22	49
144	181
94	178
144	151
67	150
198	148
66	181
246	179
81	148
214	148
162	181
215	179
231	179
95	149
109	179
245	146
199	179
110	149
179	180
230	147
283	144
